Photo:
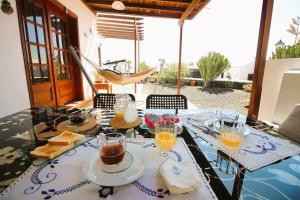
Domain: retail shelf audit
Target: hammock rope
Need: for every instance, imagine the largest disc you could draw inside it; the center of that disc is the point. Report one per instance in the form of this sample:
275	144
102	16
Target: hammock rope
116	77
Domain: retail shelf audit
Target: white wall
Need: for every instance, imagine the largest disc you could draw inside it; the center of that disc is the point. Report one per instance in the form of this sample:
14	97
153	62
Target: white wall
87	35
14	95
289	95
241	72
13	85
273	75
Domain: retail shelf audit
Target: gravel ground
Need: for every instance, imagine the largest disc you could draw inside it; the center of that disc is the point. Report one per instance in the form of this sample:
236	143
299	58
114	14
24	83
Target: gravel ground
201	98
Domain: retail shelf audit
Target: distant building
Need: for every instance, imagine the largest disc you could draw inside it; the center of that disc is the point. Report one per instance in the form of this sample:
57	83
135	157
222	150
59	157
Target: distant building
279	44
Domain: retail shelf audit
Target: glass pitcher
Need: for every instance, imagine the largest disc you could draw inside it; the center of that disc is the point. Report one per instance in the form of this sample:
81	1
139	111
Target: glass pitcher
122	101
130	113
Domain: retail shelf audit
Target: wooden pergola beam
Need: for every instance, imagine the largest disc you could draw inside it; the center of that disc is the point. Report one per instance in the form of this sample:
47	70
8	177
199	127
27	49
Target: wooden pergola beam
128	5
101	24
179	59
202	4
122	38
100	15
135	37
192	6
177	1
119	34
119	30
118	21
175	14
260	61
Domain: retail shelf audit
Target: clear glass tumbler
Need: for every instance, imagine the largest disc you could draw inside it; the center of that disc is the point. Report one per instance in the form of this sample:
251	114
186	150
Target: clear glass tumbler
112	148
232	135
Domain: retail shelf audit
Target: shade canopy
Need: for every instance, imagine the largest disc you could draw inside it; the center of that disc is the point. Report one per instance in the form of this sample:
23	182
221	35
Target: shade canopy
120	26
178	9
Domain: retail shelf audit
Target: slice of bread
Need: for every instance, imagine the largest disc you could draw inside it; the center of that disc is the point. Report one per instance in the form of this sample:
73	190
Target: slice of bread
65	138
49	151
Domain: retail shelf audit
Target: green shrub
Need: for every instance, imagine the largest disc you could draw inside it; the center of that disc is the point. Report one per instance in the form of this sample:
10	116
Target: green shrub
289	51
143	66
228	83
169	74
212	66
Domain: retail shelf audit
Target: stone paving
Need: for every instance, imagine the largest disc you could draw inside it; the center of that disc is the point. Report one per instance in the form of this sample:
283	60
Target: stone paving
199	97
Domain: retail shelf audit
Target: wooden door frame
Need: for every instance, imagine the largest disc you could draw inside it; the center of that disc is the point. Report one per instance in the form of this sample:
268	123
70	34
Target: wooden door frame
74	39
25	56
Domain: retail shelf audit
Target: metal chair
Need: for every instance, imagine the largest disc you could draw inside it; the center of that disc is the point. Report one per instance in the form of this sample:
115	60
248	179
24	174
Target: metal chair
155	101
107	101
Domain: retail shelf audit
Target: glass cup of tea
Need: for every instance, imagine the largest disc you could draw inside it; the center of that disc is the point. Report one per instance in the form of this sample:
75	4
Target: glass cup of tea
165	136
112	148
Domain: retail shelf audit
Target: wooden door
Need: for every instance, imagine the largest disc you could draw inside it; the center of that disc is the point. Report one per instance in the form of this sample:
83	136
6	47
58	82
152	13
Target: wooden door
37	57
63	68
45	34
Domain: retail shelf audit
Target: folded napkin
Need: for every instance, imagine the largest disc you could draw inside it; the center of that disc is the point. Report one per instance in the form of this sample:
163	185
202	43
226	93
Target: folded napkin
179	178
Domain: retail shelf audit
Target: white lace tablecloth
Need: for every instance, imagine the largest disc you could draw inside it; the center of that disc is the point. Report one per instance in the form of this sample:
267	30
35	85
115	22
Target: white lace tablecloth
258	150
62	178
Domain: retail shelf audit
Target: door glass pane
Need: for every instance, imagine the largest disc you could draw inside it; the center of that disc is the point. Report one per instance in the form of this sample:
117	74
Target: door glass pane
34	54
58	27
63	26
59	41
45	71
54	42
39	15
58	73
64	42
41	34
53	21
28	10
43	55
55	57
31	32
63	58
37	74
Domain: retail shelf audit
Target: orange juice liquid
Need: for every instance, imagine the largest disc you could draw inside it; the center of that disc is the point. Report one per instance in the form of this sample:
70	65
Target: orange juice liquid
231	139
165	140
119	114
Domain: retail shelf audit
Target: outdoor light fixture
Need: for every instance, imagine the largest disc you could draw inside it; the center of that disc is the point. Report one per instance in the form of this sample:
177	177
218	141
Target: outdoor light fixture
118	5
6	7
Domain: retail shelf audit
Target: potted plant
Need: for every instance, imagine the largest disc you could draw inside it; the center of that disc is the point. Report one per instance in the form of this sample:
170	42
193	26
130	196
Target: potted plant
193	82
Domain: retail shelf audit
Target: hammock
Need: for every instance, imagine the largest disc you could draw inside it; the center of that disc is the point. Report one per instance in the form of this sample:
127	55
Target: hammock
112	76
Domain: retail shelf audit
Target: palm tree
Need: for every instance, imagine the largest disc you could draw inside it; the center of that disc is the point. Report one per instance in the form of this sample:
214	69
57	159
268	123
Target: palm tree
294	28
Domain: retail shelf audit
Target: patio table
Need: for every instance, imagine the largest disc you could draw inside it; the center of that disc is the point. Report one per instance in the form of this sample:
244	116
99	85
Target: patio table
227	178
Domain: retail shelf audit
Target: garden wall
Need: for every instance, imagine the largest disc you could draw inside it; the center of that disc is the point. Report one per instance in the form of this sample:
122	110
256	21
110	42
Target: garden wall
273	75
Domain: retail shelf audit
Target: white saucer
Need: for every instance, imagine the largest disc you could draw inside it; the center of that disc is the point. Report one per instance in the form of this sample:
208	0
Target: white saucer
93	171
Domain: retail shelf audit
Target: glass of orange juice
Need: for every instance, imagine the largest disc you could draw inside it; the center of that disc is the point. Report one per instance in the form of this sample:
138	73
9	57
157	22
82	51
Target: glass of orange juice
165	136
232	136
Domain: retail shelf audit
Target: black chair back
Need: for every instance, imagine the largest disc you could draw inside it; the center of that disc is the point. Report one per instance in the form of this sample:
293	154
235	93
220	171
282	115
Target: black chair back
156	101
107	101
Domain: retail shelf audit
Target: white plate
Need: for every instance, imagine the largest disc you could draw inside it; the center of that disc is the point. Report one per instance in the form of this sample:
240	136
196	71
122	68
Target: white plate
93	172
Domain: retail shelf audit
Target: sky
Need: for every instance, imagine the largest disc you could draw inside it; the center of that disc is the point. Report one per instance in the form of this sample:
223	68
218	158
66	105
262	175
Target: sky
229	27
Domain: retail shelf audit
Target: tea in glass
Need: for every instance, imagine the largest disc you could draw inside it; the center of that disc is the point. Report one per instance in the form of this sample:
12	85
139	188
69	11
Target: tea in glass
112	148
